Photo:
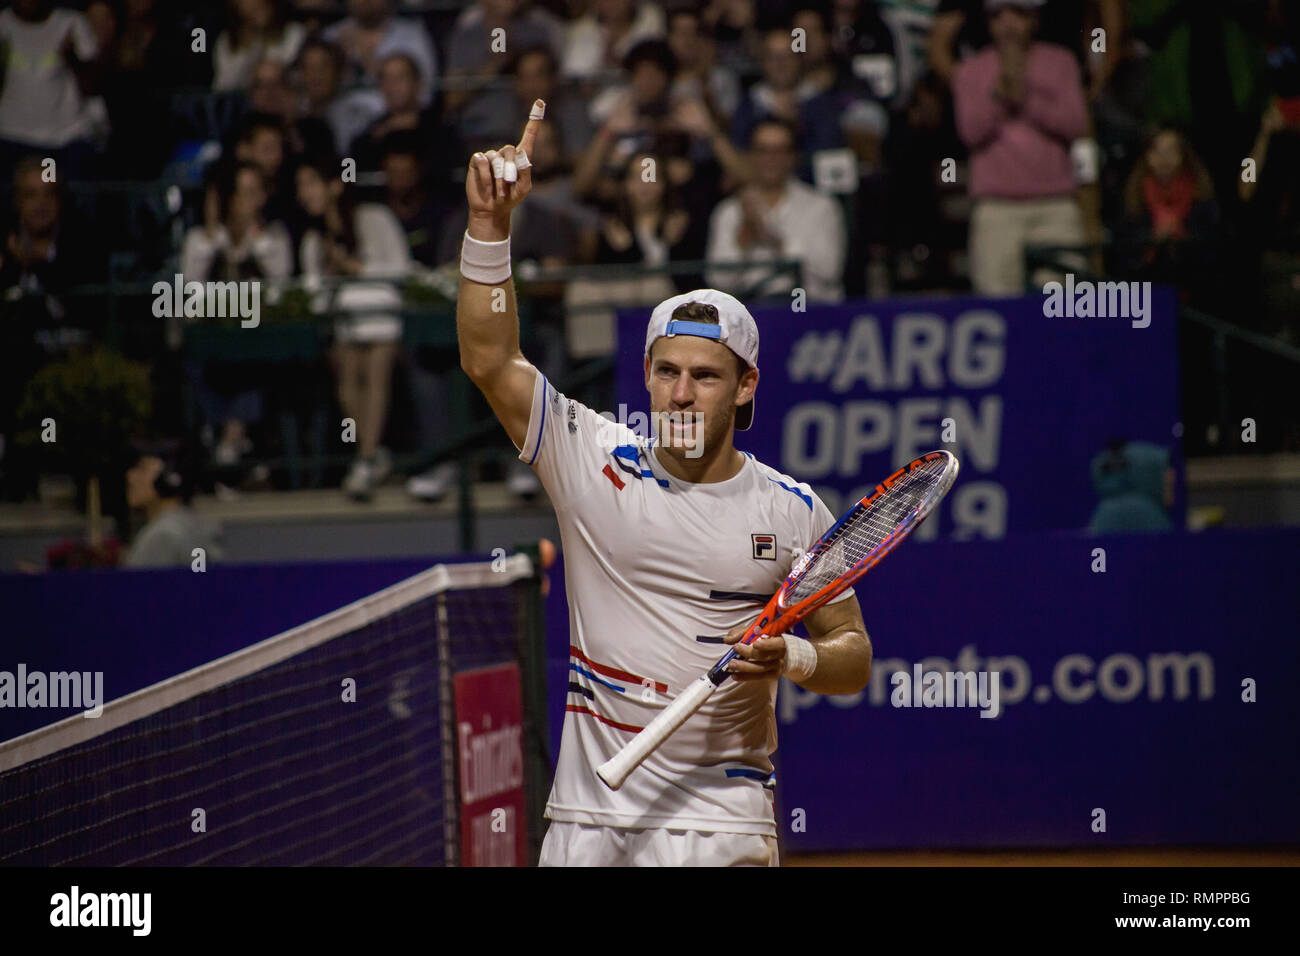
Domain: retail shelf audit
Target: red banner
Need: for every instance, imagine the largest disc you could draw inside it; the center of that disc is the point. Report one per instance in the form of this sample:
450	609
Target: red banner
490	750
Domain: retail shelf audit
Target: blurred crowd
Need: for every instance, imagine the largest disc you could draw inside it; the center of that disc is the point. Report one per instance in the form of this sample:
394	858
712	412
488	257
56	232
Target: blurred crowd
882	145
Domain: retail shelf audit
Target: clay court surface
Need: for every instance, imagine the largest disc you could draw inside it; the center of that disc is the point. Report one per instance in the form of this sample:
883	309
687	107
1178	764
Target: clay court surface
1127	856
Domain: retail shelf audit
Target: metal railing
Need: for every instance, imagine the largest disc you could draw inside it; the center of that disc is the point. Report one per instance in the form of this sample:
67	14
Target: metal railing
296	322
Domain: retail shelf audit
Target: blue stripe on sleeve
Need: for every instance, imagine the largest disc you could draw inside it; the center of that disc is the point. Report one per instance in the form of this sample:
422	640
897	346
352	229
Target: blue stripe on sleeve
794	491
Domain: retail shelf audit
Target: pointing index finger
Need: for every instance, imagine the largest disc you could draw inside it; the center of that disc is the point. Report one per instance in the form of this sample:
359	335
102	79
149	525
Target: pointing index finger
535	116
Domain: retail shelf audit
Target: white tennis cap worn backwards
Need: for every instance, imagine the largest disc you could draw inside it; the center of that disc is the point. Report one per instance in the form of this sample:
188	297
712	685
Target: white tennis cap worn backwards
736	329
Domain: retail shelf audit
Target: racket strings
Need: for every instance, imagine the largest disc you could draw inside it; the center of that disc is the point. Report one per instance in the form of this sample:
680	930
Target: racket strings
874	528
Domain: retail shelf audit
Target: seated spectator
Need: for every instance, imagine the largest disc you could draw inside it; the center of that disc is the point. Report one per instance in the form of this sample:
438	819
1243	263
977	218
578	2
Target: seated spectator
260	142
1272	195
883	45
926	220
42	258
699	75
863	121
597	41
778	217
1168	195
42	255
1019	104
471	60
421	214
150	57
649	70
259	30
236	240
495	116
734	25
270	94
781	94
631	116
553	191
1272	218
1135	485
347	240
371	33
320	68
161	484
547	233
235	243
50	68
641	113
648	225
697	186
399	83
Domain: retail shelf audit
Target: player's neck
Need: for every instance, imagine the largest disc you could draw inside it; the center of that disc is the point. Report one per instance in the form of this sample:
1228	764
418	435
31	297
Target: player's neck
723	463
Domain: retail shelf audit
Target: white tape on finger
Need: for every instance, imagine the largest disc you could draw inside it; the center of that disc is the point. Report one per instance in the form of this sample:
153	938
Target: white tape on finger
511	173
498	167
521	160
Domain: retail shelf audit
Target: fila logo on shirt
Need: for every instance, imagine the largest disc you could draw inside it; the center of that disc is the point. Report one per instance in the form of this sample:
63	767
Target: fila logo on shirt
764	546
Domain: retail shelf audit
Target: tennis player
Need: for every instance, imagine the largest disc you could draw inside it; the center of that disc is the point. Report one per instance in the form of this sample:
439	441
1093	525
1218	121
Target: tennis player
673	542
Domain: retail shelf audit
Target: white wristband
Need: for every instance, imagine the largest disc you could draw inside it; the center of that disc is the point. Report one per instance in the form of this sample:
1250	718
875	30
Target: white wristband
800	658
485	262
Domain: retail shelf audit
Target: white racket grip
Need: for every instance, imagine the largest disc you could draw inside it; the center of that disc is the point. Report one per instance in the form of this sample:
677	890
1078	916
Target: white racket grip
616	769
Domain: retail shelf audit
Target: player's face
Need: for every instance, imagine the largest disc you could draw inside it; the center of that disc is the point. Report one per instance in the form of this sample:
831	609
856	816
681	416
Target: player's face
694	380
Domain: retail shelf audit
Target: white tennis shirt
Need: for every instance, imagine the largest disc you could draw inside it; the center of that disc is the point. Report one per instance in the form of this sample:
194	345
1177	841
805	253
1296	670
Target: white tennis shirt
658	569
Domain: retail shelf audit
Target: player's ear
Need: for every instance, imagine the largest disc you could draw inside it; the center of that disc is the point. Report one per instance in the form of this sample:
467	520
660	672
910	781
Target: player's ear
748	385
647	373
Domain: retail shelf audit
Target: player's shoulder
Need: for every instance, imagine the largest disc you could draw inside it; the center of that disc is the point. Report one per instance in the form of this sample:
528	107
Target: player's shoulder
588	426
792	495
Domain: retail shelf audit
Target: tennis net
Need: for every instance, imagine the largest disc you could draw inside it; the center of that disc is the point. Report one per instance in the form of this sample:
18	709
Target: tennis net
330	744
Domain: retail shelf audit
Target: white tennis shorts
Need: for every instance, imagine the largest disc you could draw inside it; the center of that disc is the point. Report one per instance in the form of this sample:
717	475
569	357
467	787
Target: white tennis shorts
578	844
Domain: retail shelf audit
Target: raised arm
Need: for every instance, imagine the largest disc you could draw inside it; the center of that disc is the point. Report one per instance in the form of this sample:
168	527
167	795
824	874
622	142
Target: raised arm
487	317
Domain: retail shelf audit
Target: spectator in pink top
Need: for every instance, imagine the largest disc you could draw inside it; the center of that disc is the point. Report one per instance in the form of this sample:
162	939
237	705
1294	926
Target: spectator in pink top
1019	105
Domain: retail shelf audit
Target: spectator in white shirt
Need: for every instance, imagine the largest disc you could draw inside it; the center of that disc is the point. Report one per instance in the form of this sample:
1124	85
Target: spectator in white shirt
49	60
234	244
777	217
259	30
321	66
347	240
473	57
371	33
597	42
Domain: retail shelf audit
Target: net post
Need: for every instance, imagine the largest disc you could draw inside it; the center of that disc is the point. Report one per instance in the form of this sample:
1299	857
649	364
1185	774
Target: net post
532	661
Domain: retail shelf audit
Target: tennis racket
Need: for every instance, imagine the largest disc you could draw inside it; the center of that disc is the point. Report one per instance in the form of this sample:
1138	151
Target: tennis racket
853	546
